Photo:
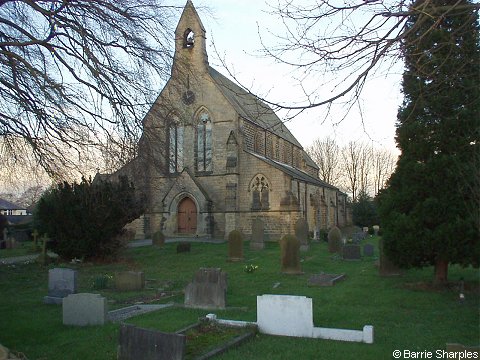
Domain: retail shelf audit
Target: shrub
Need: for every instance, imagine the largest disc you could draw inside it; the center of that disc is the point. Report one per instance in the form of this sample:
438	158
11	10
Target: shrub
87	220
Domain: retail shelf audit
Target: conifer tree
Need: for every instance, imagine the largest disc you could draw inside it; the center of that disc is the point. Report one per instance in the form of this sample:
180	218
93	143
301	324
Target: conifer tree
430	209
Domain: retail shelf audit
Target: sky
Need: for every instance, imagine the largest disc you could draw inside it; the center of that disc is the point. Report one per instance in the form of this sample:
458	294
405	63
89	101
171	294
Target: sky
233	32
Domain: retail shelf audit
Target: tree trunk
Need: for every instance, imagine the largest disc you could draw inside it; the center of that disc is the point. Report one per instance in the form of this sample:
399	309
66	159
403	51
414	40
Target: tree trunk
441	272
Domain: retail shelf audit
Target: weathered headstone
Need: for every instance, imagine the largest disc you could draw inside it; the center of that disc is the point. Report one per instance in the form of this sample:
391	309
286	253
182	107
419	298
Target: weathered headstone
386	266
290	255
61	283
351	252
365	229
358	237
301	233
368	250
235	246
376	229
258	232
158	239
84	309
325	279
208	289
183	247
335	240
129	280
144	344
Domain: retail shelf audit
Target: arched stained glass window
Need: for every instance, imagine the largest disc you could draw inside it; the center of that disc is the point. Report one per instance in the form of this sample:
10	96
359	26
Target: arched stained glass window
204	142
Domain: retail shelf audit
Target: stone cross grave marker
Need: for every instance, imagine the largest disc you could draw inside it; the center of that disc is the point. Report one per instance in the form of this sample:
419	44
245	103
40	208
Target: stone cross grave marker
208	289
61	283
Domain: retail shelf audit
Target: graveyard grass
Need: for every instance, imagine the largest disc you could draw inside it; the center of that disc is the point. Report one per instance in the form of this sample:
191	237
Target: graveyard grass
406	312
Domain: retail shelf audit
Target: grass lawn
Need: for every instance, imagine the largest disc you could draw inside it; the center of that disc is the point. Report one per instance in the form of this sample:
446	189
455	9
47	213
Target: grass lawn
406	312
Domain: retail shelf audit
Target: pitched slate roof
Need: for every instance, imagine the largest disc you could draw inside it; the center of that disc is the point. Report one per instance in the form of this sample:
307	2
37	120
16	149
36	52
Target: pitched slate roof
7	205
293	172
251	108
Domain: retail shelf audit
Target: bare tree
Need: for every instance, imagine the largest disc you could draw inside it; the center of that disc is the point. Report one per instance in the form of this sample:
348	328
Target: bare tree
356	168
326	154
383	165
79	74
334	47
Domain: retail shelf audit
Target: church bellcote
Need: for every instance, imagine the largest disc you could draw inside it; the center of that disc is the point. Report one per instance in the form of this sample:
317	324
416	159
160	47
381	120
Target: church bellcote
190	39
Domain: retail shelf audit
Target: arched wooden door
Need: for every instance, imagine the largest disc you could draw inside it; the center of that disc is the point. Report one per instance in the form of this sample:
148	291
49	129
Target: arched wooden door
187	217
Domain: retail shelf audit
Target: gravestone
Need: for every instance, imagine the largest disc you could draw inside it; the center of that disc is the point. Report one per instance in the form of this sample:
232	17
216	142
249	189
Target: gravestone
335	240
130	280
143	344
368	250
61	283
376	229
235	246
84	309
208	289
351	252
365	229
183	247
386	266
258	232
358	237
290	255
325	279
301	233
285	315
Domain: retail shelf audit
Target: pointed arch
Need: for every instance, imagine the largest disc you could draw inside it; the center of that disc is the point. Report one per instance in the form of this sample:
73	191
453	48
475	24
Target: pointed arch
203	140
175	144
188	38
260	188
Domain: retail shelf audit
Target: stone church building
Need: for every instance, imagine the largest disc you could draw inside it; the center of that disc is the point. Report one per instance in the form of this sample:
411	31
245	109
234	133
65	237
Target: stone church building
212	157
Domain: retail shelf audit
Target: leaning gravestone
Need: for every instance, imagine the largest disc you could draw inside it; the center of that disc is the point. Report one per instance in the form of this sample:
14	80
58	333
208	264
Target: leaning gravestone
368	250
142	344
301	233
387	267
208	289
84	309
61	283
258	232
130	280
351	252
